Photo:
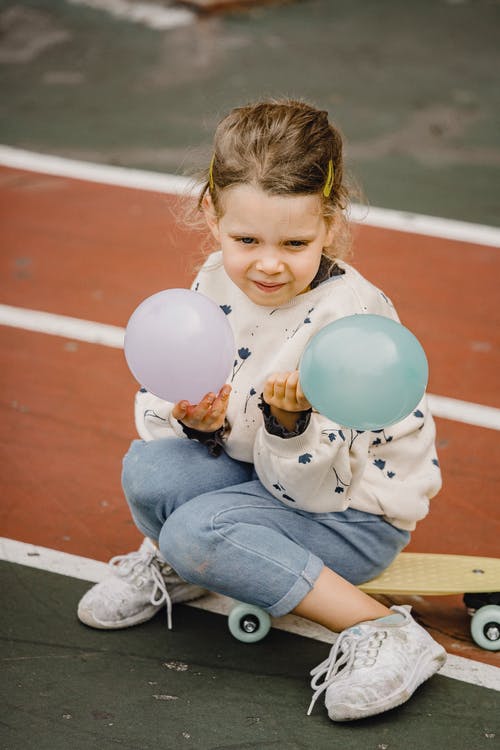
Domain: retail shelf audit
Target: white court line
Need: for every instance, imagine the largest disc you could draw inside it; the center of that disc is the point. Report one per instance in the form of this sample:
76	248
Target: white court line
147	14
113	336
138	179
75	329
400	221
464	411
86	569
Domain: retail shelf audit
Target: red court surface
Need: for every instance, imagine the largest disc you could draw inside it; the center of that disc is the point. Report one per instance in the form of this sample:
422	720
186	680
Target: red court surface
94	252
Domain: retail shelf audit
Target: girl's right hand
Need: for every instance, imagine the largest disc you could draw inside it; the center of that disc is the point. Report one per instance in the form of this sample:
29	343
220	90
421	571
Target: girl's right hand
207	416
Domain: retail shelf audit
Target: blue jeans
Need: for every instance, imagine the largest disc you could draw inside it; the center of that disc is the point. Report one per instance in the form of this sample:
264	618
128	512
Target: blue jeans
220	528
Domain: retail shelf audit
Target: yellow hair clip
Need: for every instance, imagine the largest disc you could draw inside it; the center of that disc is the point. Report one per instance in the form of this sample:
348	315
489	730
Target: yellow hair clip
210	173
329	180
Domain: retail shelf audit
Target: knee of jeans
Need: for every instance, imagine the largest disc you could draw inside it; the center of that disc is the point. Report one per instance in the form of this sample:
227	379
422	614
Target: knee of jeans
187	543
137	474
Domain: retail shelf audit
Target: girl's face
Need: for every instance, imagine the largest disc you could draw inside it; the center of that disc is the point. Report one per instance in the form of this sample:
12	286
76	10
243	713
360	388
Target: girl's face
271	244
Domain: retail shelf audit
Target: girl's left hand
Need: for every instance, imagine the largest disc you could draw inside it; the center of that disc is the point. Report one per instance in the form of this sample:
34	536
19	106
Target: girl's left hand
282	392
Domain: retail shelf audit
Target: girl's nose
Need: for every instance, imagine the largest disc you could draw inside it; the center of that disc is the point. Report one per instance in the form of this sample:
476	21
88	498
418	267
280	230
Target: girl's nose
269	263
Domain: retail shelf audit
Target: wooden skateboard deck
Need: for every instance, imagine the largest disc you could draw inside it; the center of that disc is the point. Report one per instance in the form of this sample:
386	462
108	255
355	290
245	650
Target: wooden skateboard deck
429	574
415	573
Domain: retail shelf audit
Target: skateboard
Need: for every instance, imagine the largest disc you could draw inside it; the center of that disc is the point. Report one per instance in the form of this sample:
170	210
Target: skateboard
415	573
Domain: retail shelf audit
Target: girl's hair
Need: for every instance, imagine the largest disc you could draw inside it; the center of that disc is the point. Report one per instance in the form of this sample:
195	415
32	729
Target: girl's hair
283	147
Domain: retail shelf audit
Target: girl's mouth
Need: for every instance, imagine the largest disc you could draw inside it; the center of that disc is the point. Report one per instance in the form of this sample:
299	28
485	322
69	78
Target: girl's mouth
268	287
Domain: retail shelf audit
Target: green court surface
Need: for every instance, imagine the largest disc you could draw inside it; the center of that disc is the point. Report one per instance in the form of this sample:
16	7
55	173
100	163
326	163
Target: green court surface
413	86
68	687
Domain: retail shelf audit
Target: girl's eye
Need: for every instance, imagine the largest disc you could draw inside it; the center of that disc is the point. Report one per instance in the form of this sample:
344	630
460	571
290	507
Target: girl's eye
246	240
297	243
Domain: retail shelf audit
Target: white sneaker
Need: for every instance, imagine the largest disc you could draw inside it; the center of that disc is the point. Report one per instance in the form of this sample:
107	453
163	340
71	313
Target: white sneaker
135	591
375	666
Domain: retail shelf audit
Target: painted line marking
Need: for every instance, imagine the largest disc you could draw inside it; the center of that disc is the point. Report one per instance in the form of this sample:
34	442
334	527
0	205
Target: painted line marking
467	412
154	16
103	174
86	569
62	325
113	336
401	221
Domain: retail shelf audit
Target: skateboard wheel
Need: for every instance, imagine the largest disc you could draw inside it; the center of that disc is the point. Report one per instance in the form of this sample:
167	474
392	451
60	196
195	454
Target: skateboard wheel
485	627
248	623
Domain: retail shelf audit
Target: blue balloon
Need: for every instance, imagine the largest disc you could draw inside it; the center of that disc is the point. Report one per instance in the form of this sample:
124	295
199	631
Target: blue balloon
365	372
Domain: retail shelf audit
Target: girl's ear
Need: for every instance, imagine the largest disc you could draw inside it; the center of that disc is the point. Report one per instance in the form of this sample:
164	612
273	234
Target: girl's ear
210	215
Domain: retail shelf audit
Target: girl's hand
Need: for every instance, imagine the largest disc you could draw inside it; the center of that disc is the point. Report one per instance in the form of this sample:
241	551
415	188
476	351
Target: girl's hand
207	416
284	395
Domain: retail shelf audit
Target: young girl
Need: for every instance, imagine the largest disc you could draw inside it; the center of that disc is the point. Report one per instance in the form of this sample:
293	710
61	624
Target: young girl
252	493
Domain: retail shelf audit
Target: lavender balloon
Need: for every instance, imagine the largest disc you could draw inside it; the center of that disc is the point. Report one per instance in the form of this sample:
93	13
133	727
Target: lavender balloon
179	345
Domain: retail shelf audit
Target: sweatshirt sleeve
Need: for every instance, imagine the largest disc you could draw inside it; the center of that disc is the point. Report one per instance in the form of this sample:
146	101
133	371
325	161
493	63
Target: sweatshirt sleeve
402	471
314	470
153	417
328	468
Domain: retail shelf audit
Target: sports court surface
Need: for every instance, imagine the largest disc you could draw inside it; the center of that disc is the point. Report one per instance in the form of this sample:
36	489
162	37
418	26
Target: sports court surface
82	245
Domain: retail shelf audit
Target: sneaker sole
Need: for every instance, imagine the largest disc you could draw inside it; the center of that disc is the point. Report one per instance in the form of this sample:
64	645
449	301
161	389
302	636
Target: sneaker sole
87	617
424	670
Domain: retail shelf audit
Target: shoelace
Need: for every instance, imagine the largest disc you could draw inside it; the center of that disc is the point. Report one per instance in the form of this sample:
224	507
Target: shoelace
348	652
138	563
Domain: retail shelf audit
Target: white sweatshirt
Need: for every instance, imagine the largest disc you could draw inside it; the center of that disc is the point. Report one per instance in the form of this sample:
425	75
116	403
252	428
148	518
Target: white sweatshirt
392	472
